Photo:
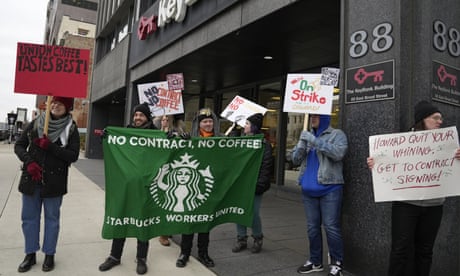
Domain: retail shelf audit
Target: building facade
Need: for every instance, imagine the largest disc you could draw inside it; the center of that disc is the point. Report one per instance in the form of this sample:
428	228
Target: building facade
72	24
247	47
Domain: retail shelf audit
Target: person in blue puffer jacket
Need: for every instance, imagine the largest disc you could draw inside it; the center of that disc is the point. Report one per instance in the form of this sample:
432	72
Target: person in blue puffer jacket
320	153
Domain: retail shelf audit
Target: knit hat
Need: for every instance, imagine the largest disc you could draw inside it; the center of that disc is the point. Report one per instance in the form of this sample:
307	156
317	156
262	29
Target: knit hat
256	120
144	108
67	102
424	109
204	113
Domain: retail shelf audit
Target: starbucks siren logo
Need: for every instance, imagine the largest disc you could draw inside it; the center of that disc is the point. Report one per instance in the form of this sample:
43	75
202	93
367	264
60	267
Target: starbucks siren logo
180	186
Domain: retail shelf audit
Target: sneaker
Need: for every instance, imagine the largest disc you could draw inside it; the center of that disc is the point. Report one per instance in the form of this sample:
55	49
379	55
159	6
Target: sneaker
309	267
336	270
164	240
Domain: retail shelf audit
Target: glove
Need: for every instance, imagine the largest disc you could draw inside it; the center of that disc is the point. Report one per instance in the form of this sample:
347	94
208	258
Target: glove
42	142
307	136
170	134
101	133
302	144
35	171
185	136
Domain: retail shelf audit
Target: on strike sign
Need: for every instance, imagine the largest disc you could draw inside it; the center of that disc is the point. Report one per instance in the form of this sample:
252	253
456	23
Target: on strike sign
51	70
305	94
415	165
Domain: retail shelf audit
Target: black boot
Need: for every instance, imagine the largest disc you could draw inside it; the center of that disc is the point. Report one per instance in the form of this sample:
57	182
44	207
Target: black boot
241	243
205	259
182	260
48	263
109	263
29	261
141	266
257	247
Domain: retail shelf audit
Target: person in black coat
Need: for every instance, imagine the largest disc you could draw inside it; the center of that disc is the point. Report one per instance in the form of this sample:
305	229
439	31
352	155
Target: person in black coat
141	119
46	160
253	126
203	125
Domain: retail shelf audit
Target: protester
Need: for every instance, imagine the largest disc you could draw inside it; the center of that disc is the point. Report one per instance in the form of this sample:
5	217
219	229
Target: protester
320	153
415	223
141	119
46	159
163	123
203	125
252	127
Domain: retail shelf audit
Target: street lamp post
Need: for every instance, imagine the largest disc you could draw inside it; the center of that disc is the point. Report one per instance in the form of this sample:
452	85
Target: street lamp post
11	121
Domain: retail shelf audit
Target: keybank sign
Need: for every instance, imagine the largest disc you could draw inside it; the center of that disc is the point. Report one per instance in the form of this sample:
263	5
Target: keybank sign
168	10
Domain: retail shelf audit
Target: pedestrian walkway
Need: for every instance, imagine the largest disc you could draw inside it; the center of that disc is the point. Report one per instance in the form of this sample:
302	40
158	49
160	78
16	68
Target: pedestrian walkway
81	248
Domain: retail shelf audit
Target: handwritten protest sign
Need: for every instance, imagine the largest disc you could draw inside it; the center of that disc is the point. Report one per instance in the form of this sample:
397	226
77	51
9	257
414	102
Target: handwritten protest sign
51	70
160	99
305	94
175	81
240	108
415	165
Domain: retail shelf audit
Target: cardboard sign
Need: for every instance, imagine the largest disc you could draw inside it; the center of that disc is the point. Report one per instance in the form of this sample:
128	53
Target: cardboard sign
175	81
240	108
51	70
330	76
305	94
160	99
415	165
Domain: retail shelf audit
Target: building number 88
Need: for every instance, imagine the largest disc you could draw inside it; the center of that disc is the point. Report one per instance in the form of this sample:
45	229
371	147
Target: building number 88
444	38
382	41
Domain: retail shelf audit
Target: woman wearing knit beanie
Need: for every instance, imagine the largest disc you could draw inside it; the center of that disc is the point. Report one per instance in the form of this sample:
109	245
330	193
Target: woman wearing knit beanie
253	126
46	157
415	223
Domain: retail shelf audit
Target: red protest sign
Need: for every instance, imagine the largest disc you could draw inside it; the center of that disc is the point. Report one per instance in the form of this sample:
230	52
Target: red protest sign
51	70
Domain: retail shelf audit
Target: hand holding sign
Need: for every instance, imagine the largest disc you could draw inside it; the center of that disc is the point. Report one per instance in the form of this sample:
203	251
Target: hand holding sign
240	108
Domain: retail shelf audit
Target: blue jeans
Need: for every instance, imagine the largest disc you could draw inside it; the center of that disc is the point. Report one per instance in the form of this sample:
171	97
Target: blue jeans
241	230
325	210
30	215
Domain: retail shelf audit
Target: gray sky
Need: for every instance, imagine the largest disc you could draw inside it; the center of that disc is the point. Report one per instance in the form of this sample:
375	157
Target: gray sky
20	21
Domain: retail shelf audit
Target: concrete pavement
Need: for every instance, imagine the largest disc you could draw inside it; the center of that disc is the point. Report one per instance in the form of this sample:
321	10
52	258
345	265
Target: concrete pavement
81	248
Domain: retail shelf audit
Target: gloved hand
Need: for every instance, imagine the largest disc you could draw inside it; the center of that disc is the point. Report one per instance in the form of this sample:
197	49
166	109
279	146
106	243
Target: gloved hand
35	171
307	136
185	136
170	134
42	142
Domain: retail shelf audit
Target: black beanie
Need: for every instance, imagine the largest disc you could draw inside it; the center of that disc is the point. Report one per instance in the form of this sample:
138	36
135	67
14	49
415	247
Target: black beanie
424	109
144	108
256	120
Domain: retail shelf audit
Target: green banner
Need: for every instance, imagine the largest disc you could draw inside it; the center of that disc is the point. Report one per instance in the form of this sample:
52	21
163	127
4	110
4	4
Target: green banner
158	186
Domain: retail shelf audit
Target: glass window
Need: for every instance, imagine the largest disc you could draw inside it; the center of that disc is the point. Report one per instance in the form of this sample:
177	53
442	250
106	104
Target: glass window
83	32
113	41
123	32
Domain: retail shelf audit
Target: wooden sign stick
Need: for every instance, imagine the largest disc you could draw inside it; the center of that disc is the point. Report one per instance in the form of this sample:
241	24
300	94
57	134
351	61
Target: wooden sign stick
47	115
